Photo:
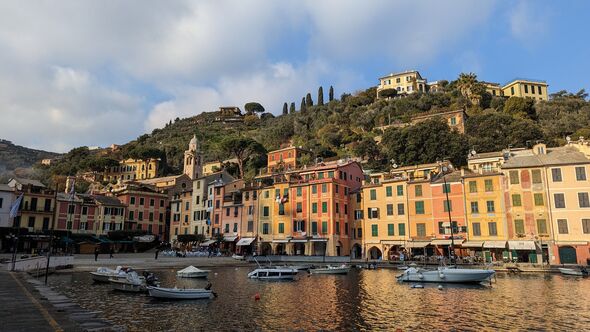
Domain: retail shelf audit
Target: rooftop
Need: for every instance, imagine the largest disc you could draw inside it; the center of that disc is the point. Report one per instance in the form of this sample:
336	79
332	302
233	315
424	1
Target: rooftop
402	73
525	80
34	183
557	156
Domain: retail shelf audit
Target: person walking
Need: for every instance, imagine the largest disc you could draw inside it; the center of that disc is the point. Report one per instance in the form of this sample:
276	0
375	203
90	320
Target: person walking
111	252
95	254
157	252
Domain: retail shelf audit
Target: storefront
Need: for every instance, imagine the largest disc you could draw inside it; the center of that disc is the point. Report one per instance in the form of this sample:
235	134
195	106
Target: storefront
245	245
495	251
524	251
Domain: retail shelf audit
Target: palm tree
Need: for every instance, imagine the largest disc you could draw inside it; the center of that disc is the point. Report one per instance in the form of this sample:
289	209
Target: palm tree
466	84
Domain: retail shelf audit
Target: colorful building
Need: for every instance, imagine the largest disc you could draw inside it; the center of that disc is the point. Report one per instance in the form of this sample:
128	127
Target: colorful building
285	159
37	206
249	223
146	208
232	213
526	88
132	169
201	216
406	82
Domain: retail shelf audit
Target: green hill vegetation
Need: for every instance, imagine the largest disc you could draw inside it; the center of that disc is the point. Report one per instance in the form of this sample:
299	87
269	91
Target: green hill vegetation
348	127
19	158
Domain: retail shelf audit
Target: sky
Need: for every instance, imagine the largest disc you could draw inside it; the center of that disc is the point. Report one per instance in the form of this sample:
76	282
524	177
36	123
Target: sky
92	73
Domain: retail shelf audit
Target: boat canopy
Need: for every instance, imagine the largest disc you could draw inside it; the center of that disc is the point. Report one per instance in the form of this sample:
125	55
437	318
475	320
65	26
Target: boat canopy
522	245
190	269
495	244
245	241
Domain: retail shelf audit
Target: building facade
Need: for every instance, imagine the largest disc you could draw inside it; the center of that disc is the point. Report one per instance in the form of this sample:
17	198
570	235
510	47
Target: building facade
526	88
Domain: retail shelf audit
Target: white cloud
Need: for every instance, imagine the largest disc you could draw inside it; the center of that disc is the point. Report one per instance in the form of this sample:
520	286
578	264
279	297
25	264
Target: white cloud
528	24
58	90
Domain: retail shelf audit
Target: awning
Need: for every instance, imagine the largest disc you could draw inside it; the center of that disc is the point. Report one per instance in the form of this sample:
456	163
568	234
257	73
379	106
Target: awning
495	244
571	243
319	240
298	240
445	242
229	238
522	245
245	241
207	243
472	244
417	244
280	241
393	242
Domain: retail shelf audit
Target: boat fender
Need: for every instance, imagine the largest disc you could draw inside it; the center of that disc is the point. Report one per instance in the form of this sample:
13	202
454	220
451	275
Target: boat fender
257	297
441	275
420	276
440	287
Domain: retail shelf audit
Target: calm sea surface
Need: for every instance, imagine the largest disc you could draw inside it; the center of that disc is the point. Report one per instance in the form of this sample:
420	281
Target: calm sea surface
362	300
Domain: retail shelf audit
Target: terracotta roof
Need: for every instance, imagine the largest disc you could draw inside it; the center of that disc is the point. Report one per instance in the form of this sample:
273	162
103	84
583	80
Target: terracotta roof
34	183
107	200
557	156
487	155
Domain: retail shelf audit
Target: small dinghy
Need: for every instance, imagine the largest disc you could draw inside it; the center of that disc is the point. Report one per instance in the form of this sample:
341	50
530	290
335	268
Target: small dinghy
181	293
103	274
573	272
192	272
238	257
133	282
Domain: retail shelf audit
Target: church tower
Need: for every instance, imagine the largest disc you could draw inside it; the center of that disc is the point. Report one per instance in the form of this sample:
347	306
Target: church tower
193	159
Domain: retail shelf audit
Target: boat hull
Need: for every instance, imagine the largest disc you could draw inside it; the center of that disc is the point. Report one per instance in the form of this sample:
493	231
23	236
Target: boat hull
101	277
329	271
126	286
273	274
571	272
180	294
460	276
193	275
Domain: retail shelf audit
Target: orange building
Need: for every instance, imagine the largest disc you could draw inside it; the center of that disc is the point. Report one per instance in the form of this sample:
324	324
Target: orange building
285	159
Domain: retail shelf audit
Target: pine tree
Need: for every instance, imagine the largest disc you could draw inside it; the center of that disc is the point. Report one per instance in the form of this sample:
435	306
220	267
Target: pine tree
308	100
302	109
292	108
285	110
320	96
331	93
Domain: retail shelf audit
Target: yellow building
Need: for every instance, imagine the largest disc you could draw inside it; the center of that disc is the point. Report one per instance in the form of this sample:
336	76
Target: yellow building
211	167
384	201
133	169
493	88
406	82
266	203
526	88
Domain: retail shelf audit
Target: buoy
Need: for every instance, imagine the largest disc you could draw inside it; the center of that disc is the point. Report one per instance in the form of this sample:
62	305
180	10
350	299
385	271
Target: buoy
440	287
257	297
215	273
417	286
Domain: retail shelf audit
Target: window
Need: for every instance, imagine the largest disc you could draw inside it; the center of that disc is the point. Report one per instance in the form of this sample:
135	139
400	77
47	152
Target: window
299	207
583	200
324	188
152	202
151	216
324	227
512	90
1	199
556	174
216	218
140	216
373	194
337	228
421	229
250	226
400	209
581	173
265	211
71	208
132	200
359	197
281	228
474	207
324	207
400	190
453	121
586	226
446	188
538	199
298	191
226	228
277	192
331	174
314	189
217	204
161	203
559	201
314	228
401	229
490	206
320	175
419	207
374	230
314	207
32	222
373	213
562	226
536	176
390	209
227	211
265	228
141	201
516	201
337	210
526	88
358	214
489	185
346	209
388	191
418	190
336	188
447	205
266	194
492	229
542	226
539	89
390	228
472	186
519	226
514	177
476	229
441	228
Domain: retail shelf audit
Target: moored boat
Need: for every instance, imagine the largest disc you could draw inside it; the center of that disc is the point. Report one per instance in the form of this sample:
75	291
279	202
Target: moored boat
446	275
181	293
102	274
273	273
238	257
192	272
573	272
133	282
342	269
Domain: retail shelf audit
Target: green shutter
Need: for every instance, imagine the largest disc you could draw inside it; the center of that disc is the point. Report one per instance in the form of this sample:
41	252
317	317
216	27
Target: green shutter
400	190
402	229
390	228
324	227
388	191
374	230
419	207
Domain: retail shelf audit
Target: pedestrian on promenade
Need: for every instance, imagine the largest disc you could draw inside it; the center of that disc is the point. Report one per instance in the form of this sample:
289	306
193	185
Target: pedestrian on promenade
157	252
95	254
111	252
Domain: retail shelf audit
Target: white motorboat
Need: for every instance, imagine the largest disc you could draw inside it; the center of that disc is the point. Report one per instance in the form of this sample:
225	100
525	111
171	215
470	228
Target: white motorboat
181	293
342	269
573	272
446	275
296	267
133	282
238	257
103	274
192	272
273	273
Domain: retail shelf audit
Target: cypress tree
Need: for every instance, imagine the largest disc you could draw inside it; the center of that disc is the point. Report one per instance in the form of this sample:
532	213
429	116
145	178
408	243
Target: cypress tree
292	109
285	111
331	93
302	109
320	96
308	100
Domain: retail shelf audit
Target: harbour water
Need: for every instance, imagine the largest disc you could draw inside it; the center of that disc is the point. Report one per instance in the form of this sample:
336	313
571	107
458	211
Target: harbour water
362	300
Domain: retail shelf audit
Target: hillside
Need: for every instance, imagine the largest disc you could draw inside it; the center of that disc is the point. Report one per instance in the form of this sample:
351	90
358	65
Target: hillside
16	156
348	127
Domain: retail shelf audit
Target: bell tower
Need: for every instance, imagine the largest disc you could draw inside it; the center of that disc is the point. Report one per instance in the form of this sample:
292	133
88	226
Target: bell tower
193	159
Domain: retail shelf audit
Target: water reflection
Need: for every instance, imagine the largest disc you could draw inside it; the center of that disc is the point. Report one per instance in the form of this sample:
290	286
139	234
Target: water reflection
363	300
